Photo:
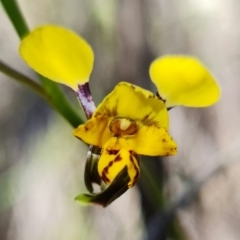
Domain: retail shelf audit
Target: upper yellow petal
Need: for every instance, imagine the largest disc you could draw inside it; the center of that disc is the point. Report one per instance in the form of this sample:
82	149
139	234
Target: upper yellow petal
95	131
153	141
183	80
58	54
117	154
135	103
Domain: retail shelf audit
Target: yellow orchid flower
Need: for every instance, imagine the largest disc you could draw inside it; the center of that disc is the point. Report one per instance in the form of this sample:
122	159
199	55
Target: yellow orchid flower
130	121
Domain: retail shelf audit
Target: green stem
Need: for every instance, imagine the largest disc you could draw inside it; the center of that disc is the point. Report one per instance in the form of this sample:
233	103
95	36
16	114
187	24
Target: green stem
57	98
12	9
152	187
19	77
61	104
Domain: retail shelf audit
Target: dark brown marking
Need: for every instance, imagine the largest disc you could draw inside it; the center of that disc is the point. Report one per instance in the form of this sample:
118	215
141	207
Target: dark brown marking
133	87
164	140
118	158
105	170
132	156
137	158
136	176
86	128
114	110
146	117
105	178
112	152
152	96
158	95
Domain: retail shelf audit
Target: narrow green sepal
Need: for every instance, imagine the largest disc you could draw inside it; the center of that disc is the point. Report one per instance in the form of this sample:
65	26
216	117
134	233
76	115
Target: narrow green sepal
112	192
91	173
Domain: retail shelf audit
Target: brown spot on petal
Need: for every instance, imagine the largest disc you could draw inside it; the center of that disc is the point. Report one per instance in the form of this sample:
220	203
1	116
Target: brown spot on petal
161	98
105	178
145	118
133	156
105	170
151	96
104	175
112	151
114	110
118	158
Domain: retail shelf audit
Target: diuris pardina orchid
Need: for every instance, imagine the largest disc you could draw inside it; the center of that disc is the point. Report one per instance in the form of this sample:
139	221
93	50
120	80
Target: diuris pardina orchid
130	121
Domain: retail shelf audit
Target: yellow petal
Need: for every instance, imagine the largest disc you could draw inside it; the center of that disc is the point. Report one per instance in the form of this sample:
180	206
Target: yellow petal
153	141
183	80
58	54
135	103
117	154
95	131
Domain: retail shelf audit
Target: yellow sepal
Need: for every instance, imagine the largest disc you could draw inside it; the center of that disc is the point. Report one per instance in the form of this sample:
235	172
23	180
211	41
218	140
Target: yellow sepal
117	154
183	80
58	54
153	141
95	131
132	102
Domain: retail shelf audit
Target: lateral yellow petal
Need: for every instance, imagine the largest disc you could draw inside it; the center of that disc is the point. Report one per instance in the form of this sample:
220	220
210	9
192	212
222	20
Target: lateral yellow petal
95	131
58	54
132	102
117	154
153	141
183	80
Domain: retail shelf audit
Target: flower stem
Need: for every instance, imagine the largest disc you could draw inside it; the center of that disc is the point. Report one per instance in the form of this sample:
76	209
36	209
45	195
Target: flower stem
19	77
60	103
84	97
58	100
12	9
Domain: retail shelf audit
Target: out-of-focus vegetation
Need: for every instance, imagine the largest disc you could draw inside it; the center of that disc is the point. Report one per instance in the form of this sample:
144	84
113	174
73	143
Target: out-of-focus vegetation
42	164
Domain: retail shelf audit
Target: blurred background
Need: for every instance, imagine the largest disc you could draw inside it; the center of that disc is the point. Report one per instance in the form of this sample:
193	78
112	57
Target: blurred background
42	164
